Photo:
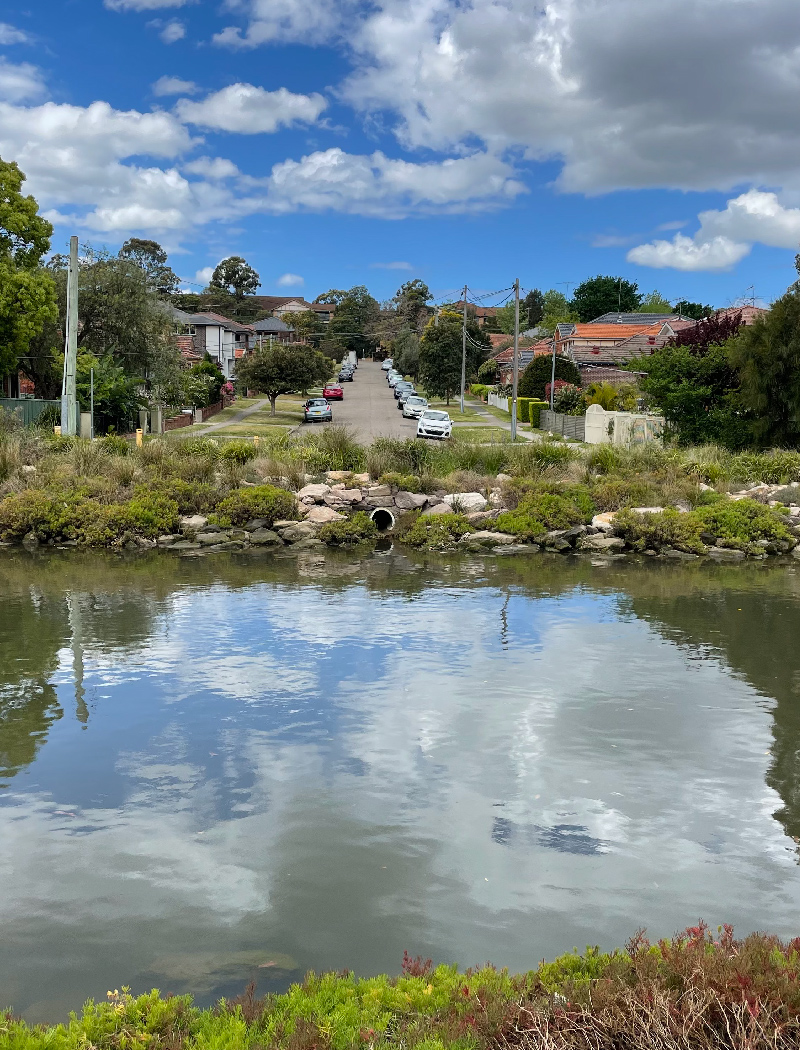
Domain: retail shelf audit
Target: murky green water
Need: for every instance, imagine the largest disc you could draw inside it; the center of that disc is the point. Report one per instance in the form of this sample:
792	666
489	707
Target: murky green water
218	769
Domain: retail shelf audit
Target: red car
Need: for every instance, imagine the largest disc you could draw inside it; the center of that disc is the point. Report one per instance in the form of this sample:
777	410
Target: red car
333	392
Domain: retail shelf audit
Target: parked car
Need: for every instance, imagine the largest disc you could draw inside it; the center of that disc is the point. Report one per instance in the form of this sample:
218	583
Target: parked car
395	377
387	364
413	406
405	395
402	388
317	410
434	423
346	375
333	392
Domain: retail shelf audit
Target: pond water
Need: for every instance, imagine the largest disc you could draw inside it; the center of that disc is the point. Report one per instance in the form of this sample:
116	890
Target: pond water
219	769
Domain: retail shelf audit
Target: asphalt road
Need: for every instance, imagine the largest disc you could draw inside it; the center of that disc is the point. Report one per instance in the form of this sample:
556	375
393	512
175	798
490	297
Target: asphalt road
369	408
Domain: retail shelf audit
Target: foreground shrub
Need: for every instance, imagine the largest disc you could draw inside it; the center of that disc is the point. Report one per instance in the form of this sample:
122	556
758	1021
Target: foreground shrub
240	452
191	497
353	530
666	528
540	512
260	501
437	531
741	523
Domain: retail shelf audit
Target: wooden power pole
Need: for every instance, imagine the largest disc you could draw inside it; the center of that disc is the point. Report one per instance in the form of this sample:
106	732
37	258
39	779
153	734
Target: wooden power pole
69	396
516	363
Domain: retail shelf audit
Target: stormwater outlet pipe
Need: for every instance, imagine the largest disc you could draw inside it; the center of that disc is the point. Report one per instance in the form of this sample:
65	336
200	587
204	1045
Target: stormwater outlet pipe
383	518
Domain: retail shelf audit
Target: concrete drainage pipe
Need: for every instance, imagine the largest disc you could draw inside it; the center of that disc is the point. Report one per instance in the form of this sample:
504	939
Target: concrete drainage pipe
383	518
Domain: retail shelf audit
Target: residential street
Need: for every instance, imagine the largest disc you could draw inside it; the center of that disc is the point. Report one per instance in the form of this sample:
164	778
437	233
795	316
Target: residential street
369	408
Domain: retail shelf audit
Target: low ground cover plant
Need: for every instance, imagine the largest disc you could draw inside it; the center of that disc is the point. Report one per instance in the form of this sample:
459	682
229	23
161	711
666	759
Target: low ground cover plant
538	512
437	531
350	531
261	501
696	991
739	525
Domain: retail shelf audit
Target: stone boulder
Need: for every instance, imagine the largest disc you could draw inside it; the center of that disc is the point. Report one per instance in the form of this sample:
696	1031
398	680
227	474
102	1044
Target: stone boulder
296	532
254	524
207	538
604	521
485	538
410	500
322	515
376	491
266	538
437	508
466	501
598	542
725	554
313	493
193	523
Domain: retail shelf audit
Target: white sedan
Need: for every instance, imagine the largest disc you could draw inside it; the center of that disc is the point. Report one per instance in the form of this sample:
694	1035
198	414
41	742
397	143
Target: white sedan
435	424
414	406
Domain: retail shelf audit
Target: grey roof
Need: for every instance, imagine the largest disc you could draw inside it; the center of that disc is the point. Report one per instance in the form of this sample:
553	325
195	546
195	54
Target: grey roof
271	324
615	318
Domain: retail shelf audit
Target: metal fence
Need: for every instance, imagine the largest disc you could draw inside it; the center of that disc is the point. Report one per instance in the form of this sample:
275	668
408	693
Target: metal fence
27	409
559	423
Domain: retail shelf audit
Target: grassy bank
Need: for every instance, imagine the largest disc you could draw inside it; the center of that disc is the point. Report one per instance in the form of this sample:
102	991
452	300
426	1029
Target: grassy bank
110	493
692	991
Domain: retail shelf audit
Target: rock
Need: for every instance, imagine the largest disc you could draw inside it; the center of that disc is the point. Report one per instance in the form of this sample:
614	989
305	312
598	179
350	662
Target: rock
193	523
265	538
212	528
437	508
555	541
496	498
681	505
706	488
652	510
309	544
466	501
143	543
297	532
322	515
503	477
185	545
28	469
378	490
351	495
337	475
575	532
673	552
518	548
484	538
313	493
478	517
167	541
284	523
239	535
604	521
600	543
410	500
725	554
361	479
30	540
256	523
795	553
206	539
380	501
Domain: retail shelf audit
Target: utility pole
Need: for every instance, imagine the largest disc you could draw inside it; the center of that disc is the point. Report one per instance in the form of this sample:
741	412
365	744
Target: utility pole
553	371
91	403
69	398
516	363
464	351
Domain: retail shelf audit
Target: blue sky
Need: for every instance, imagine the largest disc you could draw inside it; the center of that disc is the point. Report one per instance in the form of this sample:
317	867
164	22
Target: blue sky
339	143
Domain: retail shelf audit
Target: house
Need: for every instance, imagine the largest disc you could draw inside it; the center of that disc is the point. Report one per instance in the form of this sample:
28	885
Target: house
480	313
225	341
638	319
272	329
505	359
280	305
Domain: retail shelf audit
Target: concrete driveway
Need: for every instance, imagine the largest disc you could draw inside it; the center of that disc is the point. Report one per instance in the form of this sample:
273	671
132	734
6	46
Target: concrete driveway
369	408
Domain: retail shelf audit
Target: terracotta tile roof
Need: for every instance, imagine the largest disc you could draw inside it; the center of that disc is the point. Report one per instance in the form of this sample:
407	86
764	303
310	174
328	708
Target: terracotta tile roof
612	331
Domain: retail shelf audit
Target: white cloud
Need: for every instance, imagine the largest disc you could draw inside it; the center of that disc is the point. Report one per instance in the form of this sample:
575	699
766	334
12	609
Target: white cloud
391	266
726	236
298	21
291	280
11	35
20	83
684	253
204	276
212	168
383	187
143	5
251	110
174	86
172	32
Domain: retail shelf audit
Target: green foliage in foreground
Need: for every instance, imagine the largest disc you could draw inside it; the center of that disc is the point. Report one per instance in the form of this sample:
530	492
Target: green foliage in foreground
737	525
352	530
261	501
437	531
695	991
539	512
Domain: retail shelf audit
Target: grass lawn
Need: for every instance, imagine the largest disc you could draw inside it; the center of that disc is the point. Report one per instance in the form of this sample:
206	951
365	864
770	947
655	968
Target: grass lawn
488	434
469	415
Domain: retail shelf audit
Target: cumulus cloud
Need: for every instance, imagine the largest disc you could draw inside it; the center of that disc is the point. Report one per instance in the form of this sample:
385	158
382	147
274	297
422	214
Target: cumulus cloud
11	35
726	236
174	86
686	253
172	32
289	21
383	187
212	168
291	280
19	83
251	110
143	5
204	276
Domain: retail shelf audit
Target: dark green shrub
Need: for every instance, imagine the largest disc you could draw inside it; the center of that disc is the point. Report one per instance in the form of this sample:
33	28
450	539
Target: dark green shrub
113	445
741	523
198	446
259	501
437	531
147	514
406	482
535	408
537	375
191	497
240	452
49	417
353	530
540	512
666	528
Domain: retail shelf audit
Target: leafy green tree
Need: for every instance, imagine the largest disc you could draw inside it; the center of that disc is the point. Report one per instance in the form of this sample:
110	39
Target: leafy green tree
235	276
506	316
489	372
27	293
557	310
151	257
654	303
537	375
440	353
283	368
305	323
216	377
694	310
406	353
353	323
411	302
697	391
333	296
600	295
533	307
116	394
766	355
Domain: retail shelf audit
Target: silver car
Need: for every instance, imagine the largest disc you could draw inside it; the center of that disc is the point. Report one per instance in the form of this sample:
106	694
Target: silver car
435	424
414	406
317	410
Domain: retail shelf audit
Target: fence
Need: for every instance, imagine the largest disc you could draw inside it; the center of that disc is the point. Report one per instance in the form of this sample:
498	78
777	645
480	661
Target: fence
622	428
27	409
176	422
498	402
559	423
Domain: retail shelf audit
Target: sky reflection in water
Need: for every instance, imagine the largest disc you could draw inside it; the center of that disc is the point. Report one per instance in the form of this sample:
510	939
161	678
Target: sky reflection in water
211	772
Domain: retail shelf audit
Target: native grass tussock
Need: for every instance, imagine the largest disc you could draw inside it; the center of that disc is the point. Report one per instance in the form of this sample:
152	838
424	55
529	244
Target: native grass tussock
695	991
